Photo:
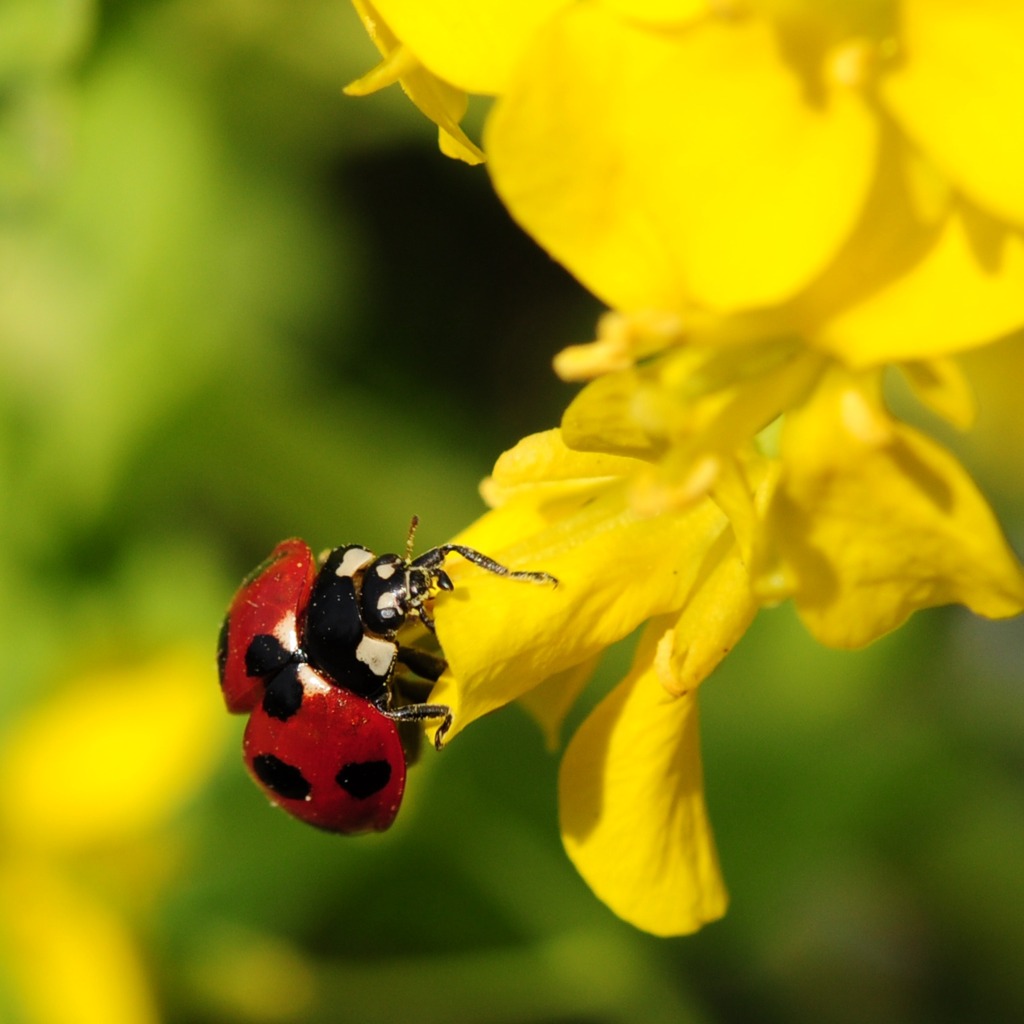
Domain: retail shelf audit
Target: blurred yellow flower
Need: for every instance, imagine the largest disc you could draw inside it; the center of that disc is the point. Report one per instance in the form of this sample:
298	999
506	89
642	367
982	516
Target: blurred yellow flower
785	204
92	771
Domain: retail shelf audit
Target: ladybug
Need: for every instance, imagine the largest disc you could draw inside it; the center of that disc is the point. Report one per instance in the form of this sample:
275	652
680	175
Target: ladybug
309	651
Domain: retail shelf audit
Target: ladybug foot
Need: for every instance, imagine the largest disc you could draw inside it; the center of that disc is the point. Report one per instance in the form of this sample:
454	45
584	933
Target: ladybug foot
422	712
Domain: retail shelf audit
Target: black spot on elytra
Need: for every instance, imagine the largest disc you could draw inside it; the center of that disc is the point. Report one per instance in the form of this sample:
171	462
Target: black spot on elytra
362	779
283	696
280	777
265	655
222	650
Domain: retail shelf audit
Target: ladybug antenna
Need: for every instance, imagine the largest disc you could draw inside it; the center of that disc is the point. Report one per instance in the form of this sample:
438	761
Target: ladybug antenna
413	523
433	559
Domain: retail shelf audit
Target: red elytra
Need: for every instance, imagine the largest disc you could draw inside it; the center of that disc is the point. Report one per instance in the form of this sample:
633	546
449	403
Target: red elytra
336	763
271	601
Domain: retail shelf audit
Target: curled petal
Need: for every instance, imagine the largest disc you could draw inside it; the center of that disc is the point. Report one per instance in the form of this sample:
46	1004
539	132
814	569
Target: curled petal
631	803
622	339
872	520
544	461
436	99
712	622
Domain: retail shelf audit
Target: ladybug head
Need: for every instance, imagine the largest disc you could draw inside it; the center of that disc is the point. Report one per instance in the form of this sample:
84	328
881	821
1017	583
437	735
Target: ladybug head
392	588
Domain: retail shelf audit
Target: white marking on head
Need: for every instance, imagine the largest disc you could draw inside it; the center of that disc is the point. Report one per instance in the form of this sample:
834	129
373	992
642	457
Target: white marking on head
353	560
286	634
377	655
387	600
386	570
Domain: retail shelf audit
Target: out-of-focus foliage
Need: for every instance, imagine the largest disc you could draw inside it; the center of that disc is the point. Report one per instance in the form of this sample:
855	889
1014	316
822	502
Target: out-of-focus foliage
235	306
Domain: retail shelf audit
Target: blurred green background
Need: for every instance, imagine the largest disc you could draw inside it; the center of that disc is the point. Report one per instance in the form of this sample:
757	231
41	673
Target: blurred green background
236	306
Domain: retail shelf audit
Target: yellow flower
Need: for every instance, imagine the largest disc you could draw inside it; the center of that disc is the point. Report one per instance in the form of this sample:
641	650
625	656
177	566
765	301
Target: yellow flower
788	206
632	805
849	164
89	773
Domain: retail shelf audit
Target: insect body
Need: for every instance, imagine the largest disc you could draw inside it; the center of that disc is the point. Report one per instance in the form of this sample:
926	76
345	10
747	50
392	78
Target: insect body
309	650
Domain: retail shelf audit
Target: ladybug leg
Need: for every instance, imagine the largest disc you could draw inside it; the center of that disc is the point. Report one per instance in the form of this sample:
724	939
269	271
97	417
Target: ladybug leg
422	712
434	558
408	690
424	616
423	664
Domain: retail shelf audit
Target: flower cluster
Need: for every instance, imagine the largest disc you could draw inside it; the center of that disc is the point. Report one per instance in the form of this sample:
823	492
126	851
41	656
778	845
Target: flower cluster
786	205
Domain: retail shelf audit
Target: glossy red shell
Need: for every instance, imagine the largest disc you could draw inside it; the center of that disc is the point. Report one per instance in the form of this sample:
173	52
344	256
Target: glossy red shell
336	763
273	601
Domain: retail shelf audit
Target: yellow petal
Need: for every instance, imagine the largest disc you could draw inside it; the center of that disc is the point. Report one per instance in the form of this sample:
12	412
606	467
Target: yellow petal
622	339
872	521
453	141
399	61
712	622
442	103
740	485
474	46
697	398
544	459
958	93
664	168
113	754
940	385
994	444
963	288
675	13
616	568
69	959
631	802
551	701
622	413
